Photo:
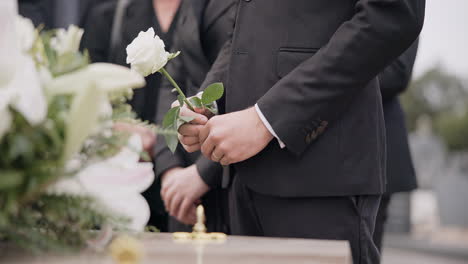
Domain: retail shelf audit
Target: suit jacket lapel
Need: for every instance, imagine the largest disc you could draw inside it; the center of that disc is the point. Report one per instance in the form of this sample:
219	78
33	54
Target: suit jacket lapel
189	30
139	17
216	9
198	8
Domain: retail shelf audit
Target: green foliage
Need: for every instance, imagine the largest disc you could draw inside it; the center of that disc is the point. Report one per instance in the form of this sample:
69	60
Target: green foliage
173	55
454	130
443	98
197	102
32	159
181	99
59	64
55	222
212	93
434	93
173	120
31	156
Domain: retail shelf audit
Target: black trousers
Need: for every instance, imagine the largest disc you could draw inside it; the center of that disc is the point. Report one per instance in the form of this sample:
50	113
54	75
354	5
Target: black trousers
333	218
381	219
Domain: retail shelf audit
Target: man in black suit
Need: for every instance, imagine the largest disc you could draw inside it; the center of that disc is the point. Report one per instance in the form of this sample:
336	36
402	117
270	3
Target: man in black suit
401	176
304	129
204	26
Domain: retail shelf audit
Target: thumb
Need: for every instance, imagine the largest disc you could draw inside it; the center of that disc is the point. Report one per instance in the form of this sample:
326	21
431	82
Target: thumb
199	119
199	110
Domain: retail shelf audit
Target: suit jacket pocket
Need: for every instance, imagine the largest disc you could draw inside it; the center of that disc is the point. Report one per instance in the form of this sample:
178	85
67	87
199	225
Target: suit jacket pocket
289	58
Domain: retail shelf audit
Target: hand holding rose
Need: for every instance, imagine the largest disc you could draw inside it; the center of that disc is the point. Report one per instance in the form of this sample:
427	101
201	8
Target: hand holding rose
228	138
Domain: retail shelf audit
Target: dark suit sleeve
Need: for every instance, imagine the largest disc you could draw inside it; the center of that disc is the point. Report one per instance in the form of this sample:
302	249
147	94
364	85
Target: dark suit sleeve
319	90
395	78
209	171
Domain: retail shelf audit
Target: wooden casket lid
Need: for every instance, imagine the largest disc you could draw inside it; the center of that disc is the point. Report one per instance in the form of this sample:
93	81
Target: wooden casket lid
161	249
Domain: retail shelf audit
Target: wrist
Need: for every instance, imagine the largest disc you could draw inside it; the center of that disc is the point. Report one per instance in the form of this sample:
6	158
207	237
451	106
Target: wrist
260	126
202	184
169	172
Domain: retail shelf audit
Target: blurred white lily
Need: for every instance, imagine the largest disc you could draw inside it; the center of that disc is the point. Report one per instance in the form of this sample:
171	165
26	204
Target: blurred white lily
91	87
26	33
28	98
115	183
19	83
67	41
104	76
8	41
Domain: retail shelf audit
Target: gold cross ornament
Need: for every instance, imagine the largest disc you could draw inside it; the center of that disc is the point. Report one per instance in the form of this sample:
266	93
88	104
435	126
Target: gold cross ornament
199	233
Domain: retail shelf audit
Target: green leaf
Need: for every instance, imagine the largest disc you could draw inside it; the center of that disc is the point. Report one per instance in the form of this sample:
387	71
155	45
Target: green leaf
21	146
212	109
186	119
197	102
173	55
170	122
10	179
180	98
171	117
212	93
171	140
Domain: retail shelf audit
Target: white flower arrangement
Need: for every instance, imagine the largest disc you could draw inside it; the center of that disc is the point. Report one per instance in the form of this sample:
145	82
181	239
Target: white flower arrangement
61	163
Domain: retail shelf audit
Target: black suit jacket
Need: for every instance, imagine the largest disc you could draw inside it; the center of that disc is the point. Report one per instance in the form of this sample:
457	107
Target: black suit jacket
204	26
393	81
139	16
39	11
311	67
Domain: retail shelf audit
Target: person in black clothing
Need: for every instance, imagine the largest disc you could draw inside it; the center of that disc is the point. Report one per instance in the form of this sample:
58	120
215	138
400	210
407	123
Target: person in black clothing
401	176
204	26
39	11
303	126
106	38
86	9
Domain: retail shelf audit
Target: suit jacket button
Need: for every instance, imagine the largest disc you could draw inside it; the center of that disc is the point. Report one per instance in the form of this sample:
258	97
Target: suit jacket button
311	137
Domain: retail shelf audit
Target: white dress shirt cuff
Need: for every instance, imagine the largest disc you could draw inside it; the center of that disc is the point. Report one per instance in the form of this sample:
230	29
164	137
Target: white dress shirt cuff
268	126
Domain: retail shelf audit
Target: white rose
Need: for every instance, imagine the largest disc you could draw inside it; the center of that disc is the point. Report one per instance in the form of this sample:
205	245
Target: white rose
146	54
67	41
26	33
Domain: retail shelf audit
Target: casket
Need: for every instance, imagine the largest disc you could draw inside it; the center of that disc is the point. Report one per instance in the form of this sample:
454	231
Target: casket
161	249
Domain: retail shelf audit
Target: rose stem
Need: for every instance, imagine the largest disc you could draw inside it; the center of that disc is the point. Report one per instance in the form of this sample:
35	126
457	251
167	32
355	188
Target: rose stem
168	76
